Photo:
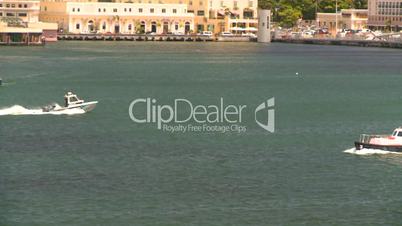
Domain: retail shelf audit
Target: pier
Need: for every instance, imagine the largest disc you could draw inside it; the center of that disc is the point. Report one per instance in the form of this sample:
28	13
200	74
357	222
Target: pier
344	42
147	37
138	37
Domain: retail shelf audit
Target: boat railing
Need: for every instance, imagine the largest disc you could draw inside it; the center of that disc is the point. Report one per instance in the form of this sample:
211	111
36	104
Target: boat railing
365	138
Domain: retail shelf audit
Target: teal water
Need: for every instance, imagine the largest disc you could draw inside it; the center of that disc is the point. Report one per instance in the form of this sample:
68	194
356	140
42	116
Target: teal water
101	168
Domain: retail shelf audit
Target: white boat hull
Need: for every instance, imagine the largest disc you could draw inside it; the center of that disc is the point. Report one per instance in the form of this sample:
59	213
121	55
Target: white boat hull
87	107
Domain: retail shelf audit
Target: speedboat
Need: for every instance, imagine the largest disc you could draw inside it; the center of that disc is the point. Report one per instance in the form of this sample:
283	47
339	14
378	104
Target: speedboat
71	101
392	142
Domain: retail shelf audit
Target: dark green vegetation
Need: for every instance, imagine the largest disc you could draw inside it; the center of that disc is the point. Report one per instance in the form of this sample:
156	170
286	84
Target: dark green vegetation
287	12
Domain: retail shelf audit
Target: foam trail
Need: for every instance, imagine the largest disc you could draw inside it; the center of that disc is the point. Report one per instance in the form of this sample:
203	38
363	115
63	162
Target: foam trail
19	110
366	151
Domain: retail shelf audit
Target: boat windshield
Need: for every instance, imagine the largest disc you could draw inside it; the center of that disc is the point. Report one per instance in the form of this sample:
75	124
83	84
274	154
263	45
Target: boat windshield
394	133
73	99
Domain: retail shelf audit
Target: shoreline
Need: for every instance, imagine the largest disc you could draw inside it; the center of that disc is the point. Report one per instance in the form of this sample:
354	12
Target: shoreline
339	42
143	37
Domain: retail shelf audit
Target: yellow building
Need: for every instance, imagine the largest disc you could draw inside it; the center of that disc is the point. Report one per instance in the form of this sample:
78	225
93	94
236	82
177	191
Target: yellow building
237	16
125	18
355	19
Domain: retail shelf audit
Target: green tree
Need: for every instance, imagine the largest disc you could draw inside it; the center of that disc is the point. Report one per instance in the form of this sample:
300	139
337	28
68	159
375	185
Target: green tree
284	11
289	15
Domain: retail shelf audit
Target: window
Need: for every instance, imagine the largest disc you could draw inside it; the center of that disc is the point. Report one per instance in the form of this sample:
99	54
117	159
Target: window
73	9
176	26
200	13
77	26
115	10
104	10
25	6
10	14
235	4
19	5
8	5
125	9
174	10
22	14
130	27
151	10
12	5
1	5
104	26
400	134
140	10
163	10
190	2
99	10
1	14
78	9
129	9
250	4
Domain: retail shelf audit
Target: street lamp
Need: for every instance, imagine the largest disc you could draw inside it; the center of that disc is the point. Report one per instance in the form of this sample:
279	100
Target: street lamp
336	17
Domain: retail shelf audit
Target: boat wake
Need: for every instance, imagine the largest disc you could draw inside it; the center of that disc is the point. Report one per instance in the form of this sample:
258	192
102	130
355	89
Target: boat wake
366	151
19	110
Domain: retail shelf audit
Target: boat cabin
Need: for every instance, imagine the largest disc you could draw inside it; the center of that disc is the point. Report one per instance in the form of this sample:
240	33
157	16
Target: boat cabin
397	133
72	99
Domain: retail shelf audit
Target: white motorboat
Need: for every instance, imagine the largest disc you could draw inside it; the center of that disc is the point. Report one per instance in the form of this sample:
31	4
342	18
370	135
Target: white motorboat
71	101
392	142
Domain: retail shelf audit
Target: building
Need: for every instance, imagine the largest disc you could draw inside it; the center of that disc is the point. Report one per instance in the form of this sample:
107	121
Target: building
23	16
385	14
123	18
237	16
25	10
19	35
355	19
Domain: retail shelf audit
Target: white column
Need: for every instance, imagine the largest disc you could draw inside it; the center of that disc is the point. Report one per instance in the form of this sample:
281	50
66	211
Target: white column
264	25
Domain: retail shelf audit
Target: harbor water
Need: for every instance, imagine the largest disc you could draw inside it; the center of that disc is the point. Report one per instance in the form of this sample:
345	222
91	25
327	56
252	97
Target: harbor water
101	168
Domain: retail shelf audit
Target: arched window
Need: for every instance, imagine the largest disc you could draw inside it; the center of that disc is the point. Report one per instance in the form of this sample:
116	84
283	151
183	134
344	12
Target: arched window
187	27
153	26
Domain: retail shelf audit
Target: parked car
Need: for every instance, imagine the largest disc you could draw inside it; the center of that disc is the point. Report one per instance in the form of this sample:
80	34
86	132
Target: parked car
226	34
178	33
207	33
251	35
322	31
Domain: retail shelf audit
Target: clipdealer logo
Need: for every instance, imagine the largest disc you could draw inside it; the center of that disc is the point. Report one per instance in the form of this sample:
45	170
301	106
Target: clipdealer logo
184	116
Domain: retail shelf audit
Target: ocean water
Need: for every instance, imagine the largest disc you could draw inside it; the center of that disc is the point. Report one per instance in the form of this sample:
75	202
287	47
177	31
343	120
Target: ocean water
101	168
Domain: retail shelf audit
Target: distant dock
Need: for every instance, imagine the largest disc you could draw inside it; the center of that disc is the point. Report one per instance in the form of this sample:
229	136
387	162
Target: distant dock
343	42
90	37
145	37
